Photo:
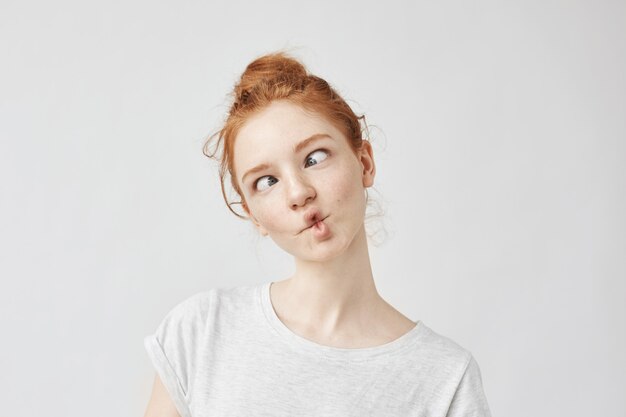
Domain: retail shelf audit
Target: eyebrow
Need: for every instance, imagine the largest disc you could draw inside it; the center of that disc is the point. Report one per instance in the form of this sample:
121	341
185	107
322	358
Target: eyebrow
296	149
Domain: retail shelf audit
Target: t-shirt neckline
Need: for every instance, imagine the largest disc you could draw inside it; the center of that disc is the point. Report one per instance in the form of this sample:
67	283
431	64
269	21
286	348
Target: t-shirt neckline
303	344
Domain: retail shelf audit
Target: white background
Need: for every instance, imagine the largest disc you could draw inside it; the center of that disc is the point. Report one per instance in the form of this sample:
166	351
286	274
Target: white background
499	136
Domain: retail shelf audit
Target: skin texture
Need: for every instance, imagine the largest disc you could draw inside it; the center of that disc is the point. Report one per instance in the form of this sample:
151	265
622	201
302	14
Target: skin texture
160	403
335	184
331	298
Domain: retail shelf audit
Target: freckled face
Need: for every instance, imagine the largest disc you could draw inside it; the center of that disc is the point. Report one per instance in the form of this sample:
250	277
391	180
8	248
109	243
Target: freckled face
324	174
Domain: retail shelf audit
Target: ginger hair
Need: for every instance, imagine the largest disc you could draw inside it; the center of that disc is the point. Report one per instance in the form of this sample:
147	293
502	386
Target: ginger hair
278	76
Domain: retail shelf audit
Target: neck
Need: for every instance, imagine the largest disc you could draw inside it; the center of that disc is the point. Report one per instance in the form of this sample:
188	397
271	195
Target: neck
335	296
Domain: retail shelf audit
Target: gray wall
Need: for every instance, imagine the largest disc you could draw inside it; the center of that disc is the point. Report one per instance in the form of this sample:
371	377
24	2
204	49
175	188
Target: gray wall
499	135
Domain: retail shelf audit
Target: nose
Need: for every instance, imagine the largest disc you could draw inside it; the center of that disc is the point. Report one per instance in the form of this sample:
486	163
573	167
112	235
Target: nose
299	191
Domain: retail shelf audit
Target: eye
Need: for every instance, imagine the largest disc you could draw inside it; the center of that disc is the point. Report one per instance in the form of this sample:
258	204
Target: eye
260	181
270	180
316	151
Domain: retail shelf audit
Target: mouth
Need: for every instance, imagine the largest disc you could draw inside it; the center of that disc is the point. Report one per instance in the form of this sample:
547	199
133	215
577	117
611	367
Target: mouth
314	224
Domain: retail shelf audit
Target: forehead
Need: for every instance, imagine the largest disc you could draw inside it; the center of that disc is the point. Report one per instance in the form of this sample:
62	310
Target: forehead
276	129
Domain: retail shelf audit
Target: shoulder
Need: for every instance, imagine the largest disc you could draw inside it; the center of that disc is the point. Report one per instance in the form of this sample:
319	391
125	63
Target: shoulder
457	374
206	303
236	296
193	306
438	344
440	354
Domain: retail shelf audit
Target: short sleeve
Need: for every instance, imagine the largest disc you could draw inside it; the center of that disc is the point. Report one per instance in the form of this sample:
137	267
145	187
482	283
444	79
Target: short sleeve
469	399
172	349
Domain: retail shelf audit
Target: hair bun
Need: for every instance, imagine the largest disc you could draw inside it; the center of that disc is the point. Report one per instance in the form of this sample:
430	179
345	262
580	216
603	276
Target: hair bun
275	68
278	76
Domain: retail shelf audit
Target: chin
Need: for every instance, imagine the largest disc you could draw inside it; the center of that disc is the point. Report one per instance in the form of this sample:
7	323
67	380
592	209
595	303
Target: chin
313	250
326	250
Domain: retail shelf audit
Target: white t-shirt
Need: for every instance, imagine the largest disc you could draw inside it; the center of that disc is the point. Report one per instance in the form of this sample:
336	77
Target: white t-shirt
224	352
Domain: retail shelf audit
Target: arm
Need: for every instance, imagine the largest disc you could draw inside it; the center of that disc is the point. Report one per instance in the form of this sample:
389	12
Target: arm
160	403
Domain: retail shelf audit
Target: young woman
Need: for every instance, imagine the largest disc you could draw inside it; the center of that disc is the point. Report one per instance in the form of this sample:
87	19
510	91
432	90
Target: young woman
321	342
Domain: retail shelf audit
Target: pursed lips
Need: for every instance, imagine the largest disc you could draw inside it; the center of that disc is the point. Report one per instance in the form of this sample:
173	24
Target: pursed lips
313	224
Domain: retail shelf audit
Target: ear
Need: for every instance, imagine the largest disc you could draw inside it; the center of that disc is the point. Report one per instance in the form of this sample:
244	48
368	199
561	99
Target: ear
262	230
366	157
